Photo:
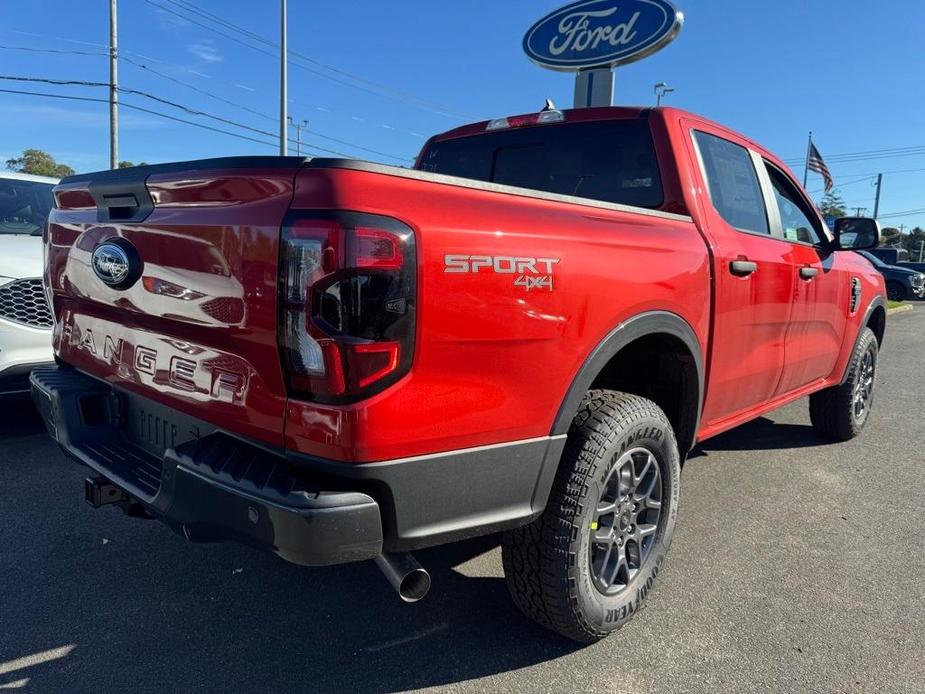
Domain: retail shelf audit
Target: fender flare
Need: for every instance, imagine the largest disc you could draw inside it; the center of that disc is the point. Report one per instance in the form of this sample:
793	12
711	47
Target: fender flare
630	330
871	307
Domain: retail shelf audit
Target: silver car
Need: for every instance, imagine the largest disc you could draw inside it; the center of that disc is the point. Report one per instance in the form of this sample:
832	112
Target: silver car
25	320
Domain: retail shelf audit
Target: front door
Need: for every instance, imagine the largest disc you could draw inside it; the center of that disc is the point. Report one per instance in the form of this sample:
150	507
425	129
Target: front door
821	297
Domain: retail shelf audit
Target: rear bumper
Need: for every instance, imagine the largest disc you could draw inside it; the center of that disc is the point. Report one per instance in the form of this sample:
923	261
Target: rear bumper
213	487
210	484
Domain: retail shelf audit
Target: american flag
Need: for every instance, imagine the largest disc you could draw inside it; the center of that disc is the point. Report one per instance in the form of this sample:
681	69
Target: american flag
814	163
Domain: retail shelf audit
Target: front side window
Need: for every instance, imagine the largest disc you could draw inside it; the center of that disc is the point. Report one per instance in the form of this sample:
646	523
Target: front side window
796	221
733	183
24	206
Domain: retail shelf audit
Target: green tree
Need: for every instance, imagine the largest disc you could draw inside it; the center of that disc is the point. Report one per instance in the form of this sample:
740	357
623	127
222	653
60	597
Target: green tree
38	163
832	204
128	164
890	236
912	242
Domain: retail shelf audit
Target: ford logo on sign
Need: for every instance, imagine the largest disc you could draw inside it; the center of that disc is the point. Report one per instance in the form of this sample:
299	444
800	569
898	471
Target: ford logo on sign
602	33
116	263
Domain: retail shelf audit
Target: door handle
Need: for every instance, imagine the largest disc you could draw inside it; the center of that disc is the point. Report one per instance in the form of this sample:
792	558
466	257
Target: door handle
742	268
807	273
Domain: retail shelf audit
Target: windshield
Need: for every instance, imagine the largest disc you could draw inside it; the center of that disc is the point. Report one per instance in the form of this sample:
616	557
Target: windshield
612	161
872	258
24	206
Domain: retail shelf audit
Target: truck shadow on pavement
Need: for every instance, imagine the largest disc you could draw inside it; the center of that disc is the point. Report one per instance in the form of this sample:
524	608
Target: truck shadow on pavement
91	600
19	418
762	434
144	622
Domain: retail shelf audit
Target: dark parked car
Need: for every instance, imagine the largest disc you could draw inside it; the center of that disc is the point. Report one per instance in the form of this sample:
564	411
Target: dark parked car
901	283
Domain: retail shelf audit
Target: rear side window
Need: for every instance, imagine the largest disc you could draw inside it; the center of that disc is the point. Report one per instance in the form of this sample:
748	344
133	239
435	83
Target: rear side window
733	183
612	161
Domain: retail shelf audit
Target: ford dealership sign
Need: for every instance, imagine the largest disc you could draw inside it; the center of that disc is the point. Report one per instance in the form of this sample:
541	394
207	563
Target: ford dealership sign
601	33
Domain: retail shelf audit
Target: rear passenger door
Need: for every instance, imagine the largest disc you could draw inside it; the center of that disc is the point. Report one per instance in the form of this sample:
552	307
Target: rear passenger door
754	278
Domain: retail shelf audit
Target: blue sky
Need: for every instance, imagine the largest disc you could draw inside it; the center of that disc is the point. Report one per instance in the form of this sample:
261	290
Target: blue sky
384	75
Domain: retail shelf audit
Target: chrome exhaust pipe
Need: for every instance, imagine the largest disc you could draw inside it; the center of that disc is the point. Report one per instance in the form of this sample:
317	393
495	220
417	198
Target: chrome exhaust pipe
409	579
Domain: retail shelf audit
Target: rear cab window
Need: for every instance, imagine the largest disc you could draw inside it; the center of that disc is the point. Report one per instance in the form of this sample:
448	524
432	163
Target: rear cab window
611	161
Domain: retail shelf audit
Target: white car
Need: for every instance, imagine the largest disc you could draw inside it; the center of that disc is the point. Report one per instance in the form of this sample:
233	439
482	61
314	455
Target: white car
25	320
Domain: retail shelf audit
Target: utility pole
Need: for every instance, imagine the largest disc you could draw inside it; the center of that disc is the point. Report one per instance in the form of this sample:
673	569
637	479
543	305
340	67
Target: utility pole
113	87
283	97
877	199
298	125
858	211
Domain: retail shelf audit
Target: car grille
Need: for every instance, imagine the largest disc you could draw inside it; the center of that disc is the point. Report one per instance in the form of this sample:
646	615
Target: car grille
225	309
23	301
918	281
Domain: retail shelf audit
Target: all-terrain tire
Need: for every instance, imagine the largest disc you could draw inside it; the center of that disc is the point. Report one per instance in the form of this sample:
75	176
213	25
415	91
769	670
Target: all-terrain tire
834	411
548	563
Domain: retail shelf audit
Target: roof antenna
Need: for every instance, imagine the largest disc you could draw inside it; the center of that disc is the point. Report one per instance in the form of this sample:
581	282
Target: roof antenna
549	106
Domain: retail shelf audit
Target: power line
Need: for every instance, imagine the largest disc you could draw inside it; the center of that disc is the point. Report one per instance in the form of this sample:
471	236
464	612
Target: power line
47	80
904	213
848	157
390	93
192	7
51	50
847	183
162	75
205	114
142	110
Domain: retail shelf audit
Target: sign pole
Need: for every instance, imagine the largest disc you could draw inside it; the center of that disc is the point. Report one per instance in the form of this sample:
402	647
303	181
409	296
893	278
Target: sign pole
594	87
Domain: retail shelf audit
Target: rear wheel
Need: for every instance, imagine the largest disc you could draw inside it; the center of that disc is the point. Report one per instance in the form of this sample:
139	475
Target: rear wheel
895	291
586	565
840	412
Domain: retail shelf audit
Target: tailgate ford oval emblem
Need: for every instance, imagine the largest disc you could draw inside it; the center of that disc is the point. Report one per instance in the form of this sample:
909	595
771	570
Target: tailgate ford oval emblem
116	263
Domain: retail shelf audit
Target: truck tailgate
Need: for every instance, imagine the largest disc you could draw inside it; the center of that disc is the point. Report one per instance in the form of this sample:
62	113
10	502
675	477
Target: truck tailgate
193	321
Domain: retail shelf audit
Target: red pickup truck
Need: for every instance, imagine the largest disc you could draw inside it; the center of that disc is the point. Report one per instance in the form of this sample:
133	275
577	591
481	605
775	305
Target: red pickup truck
527	332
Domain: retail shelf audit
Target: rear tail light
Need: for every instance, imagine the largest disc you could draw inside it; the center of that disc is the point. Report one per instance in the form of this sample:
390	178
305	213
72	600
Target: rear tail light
347	304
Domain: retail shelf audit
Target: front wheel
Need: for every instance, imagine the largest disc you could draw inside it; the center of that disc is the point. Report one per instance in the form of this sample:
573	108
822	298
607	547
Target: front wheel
840	412
585	566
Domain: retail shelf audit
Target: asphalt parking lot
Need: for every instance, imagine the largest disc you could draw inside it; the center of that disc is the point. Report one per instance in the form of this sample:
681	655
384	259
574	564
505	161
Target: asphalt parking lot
797	566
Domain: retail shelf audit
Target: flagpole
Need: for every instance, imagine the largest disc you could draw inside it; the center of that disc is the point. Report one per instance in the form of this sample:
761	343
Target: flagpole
809	145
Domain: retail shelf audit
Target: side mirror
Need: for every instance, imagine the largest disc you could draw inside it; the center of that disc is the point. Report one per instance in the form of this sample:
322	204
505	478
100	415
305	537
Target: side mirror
856	233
